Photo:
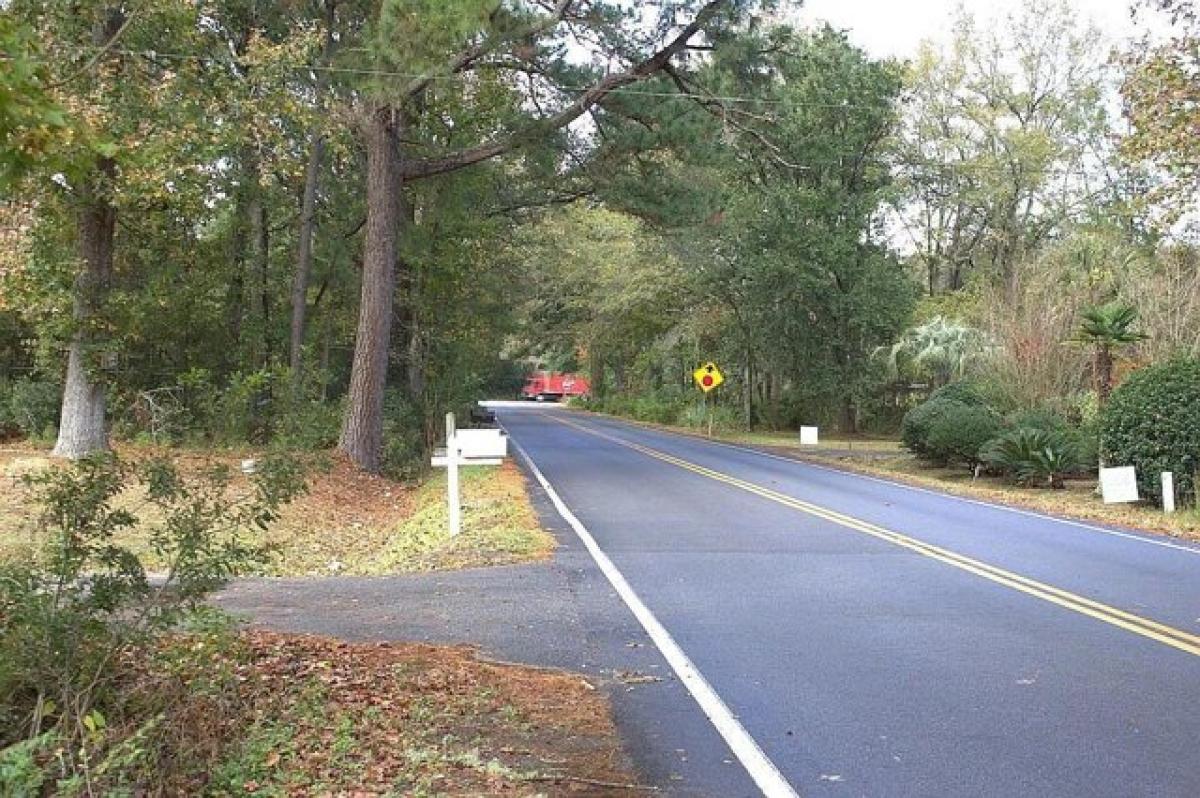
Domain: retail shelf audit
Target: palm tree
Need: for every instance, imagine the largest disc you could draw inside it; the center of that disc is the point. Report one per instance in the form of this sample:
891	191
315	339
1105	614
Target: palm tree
1107	328
940	349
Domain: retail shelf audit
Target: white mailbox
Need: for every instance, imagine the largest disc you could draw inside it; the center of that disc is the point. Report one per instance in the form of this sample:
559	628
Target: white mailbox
481	443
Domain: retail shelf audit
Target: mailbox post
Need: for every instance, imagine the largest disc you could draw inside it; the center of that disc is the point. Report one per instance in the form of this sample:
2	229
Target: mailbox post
463	448
452	458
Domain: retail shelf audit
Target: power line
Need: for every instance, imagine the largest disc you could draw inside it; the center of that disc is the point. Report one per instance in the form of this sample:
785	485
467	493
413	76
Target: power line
460	77
961	166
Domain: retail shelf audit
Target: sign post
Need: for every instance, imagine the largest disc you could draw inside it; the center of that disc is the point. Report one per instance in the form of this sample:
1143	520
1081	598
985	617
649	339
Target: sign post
707	378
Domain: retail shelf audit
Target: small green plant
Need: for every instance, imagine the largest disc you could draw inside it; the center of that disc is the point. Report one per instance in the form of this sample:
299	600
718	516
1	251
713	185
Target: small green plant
1033	456
73	619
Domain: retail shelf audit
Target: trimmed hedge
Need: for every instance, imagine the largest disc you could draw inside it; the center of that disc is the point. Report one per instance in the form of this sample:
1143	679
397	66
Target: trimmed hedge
917	422
957	432
1152	422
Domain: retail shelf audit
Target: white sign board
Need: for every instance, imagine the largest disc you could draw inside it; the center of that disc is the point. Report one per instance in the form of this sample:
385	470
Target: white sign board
474	443
1119	484
808	436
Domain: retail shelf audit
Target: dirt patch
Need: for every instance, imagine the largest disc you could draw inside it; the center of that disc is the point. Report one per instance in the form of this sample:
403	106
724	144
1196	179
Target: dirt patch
327	717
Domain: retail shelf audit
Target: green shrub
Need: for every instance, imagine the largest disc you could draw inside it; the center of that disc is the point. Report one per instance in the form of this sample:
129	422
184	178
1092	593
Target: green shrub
310	425
1041	419
956	432
920	420
655	410
1152	422
914	427
33	406
964	391
1032	456
404	434
73	620
8	422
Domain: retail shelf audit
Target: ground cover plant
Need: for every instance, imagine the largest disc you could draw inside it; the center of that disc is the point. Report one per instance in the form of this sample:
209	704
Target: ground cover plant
117	679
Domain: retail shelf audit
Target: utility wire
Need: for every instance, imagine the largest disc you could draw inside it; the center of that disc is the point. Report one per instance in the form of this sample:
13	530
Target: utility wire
932	166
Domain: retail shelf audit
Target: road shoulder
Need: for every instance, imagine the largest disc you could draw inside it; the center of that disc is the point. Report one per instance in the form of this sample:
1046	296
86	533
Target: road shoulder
560	614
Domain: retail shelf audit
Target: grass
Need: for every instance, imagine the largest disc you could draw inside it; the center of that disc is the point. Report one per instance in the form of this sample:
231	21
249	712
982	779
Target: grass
1078	500
347	523
791	439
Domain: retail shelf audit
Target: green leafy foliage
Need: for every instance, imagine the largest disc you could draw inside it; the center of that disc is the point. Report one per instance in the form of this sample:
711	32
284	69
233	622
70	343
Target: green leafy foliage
918	422
1152	422
1032	456
29	407
939	349
957	432
71	617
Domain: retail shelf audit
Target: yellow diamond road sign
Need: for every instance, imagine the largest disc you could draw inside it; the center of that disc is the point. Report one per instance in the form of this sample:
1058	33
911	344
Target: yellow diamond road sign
708	377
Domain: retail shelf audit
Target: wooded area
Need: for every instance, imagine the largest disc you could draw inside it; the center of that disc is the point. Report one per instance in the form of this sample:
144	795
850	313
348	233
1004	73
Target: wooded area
326	223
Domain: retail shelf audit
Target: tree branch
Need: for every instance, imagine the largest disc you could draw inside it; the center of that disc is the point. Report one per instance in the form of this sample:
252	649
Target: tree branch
449	163
474	52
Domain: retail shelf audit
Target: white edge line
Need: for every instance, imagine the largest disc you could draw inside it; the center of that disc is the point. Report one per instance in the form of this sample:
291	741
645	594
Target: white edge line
761	769
1141	538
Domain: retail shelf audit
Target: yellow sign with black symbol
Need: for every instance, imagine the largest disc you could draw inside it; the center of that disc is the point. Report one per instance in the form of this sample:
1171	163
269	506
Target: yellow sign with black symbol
708	377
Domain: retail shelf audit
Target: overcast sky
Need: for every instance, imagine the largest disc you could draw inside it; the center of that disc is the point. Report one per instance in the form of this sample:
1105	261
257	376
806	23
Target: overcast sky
895	27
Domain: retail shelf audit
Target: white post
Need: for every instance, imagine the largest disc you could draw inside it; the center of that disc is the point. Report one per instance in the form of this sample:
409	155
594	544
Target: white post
452	476
1168	492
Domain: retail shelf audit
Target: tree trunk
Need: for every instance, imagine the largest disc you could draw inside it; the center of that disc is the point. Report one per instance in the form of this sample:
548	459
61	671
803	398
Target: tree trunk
82	429
415	358
308	206
362	428
748	392
261	249
1104	376
304	263
849	416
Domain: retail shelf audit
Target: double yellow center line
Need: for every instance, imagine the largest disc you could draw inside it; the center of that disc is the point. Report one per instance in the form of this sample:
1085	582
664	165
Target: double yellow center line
1167	635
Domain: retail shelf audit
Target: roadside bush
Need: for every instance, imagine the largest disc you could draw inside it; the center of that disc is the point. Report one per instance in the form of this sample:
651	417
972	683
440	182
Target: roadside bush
964	391
74	621
310	425
917	423
1152	422
724	418
914	427
1031	456
655	410
8	423
33	407
403	437
956	432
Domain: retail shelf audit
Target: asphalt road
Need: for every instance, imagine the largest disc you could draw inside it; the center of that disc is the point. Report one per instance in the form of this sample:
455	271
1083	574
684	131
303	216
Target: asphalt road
880	640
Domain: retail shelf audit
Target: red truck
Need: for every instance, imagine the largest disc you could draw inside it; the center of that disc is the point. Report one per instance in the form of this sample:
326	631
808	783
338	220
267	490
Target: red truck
543	385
